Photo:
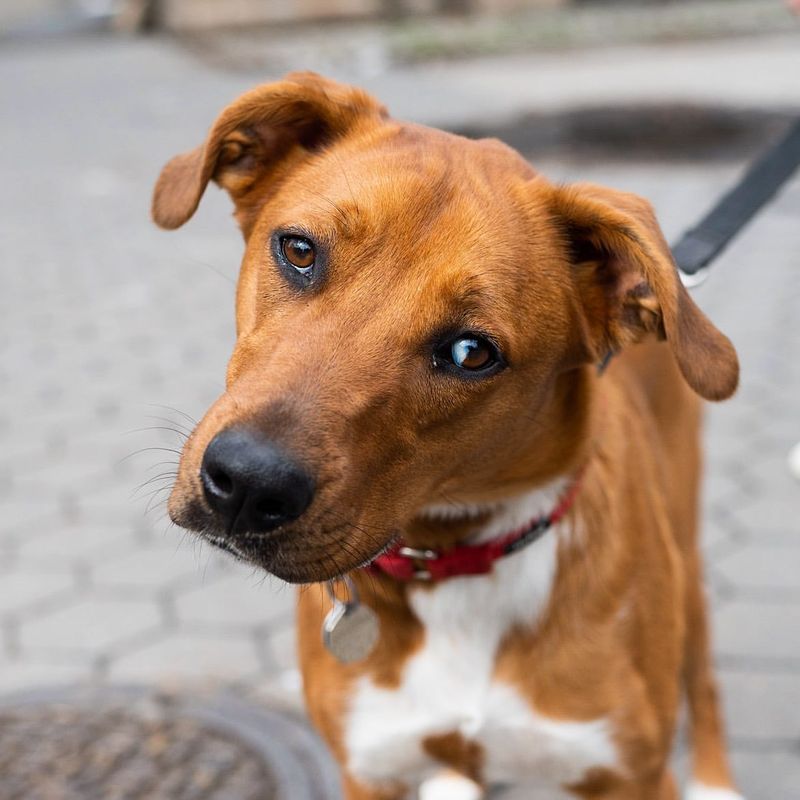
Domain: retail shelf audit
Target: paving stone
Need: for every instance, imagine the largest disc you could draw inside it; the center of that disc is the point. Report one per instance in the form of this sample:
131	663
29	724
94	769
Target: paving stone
23	513
762	567
148	567
186	656
283	647
20	675
92	625
45	473
70	542
23	589
240	599
714	537
278	690
758	630
761	706
768	775
720	485
766	513
785	537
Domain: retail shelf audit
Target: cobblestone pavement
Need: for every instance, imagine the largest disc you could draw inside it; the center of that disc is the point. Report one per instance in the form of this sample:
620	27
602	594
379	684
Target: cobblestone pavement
113	331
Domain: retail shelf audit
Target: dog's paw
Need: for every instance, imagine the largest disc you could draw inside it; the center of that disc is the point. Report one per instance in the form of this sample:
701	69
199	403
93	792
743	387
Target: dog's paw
449	786
699	791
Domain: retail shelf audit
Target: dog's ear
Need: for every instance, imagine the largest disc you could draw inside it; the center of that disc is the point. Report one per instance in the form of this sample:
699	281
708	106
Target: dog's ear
263	131
630	287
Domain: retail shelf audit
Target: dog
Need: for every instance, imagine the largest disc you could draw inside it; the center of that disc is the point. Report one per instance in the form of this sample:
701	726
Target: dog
417	412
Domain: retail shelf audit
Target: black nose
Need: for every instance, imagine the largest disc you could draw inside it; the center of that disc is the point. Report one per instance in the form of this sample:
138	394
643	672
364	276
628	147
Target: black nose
252	484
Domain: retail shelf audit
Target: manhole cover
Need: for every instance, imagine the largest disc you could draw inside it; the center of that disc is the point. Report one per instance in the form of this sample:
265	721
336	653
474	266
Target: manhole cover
86	745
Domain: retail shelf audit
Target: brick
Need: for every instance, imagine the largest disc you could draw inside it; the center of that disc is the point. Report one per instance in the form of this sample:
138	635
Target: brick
773	775
763	567
53	542
20	675
761	706
279	690
243	598
21	590
758	630
91	625
770	513
283	647
190	656
152	567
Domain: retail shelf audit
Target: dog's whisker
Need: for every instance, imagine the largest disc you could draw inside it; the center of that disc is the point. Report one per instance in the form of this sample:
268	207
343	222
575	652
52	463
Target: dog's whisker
165	483
176	431
164	476
154	502
181	426
145	450
158	464
183	414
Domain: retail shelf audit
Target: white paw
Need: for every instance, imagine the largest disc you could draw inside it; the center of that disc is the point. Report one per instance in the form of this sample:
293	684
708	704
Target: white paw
699	791
450	787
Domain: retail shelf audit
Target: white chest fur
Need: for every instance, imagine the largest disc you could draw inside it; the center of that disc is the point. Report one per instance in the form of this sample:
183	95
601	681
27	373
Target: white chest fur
448	684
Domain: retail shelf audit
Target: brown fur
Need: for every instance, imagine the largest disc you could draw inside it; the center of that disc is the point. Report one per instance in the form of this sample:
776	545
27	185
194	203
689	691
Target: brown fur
424	231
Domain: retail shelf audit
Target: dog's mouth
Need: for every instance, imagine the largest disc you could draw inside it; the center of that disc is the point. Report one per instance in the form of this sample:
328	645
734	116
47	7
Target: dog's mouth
296	557
226	546
258	550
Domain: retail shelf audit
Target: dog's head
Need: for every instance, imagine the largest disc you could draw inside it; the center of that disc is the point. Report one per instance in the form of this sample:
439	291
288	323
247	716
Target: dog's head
414	312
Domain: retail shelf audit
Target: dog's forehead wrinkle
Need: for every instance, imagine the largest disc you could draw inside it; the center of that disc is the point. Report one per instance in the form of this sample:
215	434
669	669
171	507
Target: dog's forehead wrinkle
411	174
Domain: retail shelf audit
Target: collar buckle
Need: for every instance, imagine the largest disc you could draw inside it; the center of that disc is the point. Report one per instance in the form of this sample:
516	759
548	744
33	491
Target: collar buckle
420	573
422	555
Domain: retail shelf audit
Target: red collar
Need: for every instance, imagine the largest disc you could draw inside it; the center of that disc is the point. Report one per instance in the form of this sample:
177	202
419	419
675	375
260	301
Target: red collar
405	563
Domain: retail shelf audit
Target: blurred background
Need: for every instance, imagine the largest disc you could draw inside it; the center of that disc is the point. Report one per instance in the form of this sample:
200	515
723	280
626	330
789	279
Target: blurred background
133	661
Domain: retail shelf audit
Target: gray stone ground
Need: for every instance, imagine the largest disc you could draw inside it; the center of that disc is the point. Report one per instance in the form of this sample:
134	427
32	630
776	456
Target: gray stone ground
110	327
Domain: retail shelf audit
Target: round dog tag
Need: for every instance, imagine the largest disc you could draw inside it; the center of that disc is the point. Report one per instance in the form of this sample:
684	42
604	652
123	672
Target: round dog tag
350	631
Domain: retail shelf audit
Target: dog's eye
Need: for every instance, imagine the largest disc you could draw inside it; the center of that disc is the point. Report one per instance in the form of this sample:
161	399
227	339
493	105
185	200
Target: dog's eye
299	252
468	352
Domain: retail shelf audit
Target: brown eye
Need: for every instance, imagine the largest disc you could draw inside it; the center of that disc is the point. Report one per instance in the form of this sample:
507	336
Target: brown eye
468	353
299	252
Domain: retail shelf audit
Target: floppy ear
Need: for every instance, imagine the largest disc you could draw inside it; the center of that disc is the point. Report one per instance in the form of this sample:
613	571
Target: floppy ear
630	287
265	129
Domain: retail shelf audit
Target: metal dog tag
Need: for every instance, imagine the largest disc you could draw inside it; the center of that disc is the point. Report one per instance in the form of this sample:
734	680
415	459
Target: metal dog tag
350	631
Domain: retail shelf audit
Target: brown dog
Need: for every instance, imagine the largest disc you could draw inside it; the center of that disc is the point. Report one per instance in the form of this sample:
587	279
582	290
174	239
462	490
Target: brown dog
420	318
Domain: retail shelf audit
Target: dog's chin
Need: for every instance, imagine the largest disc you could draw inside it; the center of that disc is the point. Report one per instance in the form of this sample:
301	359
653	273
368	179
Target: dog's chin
258	551
265	552
277	553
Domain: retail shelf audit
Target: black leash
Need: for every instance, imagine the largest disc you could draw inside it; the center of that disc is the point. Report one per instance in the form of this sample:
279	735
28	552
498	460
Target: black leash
698	247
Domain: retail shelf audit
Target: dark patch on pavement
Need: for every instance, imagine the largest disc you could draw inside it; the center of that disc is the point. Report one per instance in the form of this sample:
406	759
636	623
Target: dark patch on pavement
114	744
663	132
